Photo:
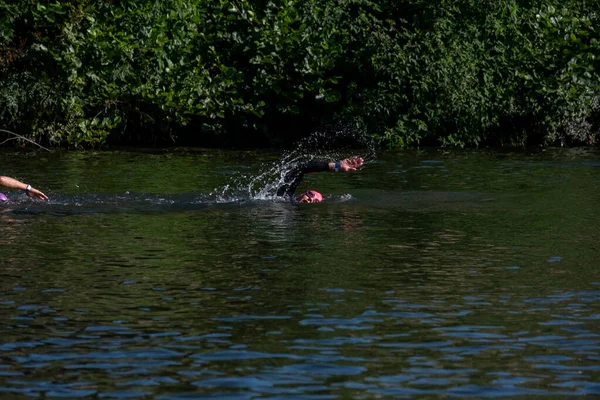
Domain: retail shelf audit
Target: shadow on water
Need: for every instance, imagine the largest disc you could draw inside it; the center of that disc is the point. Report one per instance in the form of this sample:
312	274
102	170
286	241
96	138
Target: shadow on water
65	205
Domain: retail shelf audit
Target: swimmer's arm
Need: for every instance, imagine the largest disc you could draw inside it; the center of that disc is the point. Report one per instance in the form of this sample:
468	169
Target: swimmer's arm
345	165
315	166
15	184
12	183
350	164
295	175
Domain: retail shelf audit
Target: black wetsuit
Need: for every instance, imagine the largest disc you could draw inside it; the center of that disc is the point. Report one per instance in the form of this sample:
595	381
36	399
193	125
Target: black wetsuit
294	176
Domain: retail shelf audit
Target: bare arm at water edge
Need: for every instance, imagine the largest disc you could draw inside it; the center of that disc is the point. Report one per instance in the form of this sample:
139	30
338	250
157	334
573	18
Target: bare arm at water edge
15	184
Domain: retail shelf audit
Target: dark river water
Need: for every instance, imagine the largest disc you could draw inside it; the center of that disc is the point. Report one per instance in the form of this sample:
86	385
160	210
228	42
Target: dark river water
427	274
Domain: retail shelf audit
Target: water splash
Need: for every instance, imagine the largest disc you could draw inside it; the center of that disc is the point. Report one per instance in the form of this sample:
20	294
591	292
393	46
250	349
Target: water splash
334	142
331	143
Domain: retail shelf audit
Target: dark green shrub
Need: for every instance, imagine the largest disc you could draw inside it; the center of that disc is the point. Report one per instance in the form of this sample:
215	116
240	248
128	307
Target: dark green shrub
409	72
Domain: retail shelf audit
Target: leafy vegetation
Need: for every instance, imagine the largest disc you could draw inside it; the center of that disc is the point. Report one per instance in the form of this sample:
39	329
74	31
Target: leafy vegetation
232	72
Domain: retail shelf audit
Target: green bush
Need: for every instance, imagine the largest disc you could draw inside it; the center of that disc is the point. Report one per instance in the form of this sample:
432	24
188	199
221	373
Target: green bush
409	72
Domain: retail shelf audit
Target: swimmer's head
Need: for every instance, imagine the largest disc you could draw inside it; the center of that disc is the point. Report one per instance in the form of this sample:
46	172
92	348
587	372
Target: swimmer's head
3	197
310	196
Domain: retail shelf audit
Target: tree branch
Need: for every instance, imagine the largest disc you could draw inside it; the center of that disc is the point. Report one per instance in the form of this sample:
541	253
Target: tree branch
21	137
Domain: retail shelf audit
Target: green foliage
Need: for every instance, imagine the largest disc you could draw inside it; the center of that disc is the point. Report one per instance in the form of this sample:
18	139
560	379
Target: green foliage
411	72
465	73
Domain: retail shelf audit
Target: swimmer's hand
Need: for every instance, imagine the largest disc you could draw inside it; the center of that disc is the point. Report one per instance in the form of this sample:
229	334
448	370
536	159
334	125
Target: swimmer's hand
15	184
36	194
350	164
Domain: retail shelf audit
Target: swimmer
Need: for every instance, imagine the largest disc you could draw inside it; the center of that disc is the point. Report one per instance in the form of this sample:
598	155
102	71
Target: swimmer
15	184
296	173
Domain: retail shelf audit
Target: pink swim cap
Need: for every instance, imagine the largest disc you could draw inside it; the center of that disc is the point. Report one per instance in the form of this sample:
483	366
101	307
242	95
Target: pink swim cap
310	196
3	197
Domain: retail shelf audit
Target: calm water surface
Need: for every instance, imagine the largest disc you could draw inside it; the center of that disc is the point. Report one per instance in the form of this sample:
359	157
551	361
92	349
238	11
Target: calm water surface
426	274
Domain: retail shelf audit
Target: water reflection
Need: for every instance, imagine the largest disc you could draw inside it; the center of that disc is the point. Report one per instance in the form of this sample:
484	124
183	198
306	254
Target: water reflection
474	277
